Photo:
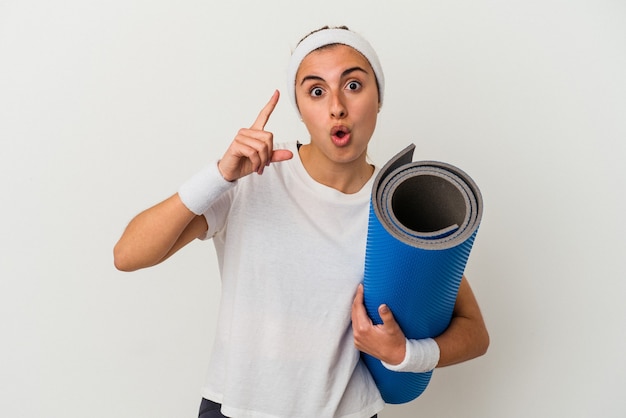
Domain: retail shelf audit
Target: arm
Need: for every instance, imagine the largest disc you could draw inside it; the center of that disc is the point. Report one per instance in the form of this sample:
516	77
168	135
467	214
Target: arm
465	338
157	233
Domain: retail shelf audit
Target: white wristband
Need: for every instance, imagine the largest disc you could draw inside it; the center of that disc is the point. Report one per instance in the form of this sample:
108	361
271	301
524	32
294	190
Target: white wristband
421	356
201	190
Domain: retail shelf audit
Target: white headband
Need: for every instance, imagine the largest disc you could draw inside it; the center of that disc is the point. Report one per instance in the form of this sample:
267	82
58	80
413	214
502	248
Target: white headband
328	37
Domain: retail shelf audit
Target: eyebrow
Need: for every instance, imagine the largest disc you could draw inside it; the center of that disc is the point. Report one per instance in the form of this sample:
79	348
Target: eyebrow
344	74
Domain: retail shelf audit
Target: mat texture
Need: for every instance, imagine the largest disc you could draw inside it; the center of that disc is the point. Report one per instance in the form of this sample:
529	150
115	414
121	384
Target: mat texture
424	217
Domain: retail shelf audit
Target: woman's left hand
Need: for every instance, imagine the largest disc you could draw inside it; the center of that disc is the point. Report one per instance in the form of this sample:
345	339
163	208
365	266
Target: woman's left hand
386	341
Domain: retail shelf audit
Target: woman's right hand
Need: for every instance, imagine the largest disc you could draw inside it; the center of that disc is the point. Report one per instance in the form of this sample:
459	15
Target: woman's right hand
253	149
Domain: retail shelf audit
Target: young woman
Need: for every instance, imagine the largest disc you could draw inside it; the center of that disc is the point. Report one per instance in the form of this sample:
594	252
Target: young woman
289	224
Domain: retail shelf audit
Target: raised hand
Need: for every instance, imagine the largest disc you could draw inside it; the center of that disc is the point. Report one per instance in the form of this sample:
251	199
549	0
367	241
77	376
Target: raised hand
252	149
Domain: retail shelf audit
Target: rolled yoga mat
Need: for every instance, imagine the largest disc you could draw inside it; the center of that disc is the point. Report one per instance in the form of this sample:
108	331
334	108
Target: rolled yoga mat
423	220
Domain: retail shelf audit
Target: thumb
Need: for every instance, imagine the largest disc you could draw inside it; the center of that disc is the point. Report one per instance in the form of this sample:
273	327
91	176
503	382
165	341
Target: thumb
279	155
386	315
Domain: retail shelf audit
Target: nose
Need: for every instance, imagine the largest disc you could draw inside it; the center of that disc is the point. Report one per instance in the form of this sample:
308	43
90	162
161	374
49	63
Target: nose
338	108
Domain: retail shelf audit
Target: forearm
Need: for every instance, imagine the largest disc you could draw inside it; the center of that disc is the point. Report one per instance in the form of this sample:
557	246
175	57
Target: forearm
466	337
462	341
155	234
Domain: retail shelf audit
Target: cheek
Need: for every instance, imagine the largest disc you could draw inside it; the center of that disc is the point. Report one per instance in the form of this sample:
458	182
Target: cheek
368	106
369	115
311	115
311	120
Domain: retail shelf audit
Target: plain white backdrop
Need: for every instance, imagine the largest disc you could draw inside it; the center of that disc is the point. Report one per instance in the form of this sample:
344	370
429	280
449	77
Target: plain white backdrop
107	106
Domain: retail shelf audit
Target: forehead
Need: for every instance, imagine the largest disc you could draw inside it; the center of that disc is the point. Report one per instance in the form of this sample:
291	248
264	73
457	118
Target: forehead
332	58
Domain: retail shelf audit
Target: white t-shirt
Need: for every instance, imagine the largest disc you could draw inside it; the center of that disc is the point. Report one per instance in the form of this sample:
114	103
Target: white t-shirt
291	253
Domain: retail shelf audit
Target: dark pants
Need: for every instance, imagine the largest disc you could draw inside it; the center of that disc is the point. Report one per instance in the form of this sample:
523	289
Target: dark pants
210	409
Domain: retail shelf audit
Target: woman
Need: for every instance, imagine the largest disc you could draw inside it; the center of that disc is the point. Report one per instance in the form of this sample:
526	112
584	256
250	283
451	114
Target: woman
289	224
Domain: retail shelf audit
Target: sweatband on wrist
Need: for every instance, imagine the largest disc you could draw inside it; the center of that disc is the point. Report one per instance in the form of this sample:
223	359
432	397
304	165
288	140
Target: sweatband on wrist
421	356
201	190
332	36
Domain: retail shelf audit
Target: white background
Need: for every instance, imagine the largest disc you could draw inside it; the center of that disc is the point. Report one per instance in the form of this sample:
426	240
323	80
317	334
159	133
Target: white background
107	106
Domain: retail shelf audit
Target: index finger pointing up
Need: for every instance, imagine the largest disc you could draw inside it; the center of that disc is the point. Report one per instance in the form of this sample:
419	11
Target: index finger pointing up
266	112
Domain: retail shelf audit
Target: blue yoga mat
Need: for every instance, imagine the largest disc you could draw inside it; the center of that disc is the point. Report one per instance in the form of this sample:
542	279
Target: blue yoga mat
424	217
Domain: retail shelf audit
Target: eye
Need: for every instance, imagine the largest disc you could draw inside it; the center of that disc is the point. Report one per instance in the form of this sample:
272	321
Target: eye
353	85
316	91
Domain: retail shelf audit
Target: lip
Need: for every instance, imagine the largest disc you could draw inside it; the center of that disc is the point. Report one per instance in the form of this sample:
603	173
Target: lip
340	135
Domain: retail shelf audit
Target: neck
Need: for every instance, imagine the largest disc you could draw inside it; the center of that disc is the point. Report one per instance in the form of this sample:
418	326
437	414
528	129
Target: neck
347	177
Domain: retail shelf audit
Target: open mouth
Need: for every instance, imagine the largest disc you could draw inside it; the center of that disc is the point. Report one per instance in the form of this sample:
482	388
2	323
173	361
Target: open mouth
340	135
339	131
